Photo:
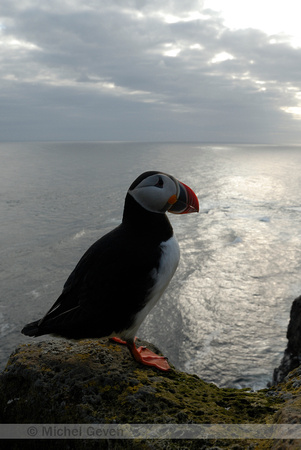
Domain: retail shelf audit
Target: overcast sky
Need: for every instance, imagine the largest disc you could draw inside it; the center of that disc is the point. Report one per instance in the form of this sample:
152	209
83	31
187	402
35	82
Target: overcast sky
150	70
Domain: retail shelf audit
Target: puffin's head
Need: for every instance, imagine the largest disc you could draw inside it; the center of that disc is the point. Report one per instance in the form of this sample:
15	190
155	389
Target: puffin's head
159	192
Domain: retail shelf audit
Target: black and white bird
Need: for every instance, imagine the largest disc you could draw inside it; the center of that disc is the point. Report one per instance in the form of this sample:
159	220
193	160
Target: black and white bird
122	276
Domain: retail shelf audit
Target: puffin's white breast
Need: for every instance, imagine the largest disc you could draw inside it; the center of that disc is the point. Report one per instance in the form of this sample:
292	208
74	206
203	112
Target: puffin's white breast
168	264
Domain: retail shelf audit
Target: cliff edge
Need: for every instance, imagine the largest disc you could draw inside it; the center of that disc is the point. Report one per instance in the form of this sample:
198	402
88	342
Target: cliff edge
292	354
97	381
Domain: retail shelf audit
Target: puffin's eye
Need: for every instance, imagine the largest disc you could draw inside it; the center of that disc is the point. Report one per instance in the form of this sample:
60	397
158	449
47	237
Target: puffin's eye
159	183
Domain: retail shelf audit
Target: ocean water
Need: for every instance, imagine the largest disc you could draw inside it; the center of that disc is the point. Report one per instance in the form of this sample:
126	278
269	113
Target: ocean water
225	314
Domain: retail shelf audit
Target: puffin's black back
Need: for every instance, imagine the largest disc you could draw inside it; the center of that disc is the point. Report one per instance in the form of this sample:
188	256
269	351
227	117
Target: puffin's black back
110	283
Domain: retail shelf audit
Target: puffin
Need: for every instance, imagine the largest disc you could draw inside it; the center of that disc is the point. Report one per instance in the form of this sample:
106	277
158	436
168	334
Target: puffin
121	277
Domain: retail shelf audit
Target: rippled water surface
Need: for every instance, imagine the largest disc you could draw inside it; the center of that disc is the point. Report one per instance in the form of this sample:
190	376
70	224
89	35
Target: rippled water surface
225	314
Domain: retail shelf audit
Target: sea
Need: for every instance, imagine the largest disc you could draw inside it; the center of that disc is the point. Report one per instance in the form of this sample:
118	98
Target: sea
225	313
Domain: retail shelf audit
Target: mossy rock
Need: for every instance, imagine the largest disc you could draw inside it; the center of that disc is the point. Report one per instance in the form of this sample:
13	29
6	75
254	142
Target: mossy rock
97	381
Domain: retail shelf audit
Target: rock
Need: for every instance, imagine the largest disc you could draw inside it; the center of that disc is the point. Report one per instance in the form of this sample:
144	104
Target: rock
290	412
292	354
98	382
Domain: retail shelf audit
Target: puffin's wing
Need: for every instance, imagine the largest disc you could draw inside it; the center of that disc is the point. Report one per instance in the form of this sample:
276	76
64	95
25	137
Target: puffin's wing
107	287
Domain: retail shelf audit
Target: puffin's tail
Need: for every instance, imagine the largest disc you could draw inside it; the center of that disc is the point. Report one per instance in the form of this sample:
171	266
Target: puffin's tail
32	329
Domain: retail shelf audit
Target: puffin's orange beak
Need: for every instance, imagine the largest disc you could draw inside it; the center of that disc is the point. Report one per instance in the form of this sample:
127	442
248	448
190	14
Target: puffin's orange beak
186	202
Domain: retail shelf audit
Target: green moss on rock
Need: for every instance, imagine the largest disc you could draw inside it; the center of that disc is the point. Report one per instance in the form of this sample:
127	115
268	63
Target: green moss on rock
96	381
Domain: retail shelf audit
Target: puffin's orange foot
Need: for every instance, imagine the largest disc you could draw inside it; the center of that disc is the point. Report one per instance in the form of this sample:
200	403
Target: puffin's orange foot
118	340
149	358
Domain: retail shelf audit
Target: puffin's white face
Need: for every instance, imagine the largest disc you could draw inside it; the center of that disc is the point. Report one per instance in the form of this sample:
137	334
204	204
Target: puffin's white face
156	192
159	192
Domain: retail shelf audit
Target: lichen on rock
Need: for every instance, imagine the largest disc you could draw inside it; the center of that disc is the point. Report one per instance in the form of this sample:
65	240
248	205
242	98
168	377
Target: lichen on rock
97	381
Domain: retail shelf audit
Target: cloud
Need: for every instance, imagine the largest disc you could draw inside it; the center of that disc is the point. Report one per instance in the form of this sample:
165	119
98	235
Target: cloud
138	70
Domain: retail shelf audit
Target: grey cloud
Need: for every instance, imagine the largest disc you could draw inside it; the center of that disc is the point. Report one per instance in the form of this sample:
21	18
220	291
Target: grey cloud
105	70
